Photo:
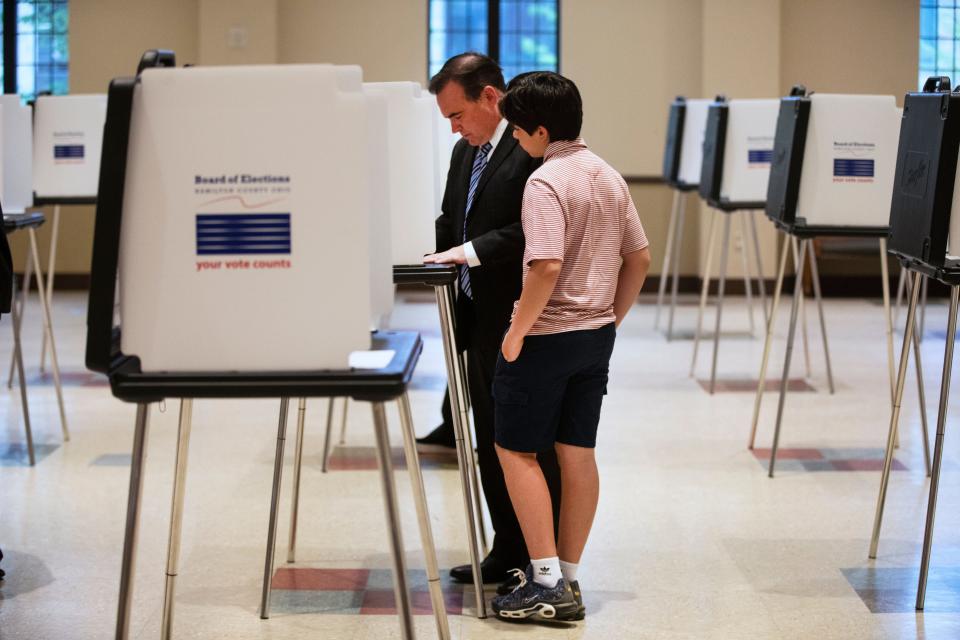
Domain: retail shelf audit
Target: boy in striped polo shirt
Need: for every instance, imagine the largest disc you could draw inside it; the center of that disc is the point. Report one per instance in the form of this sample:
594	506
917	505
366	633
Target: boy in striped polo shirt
585	261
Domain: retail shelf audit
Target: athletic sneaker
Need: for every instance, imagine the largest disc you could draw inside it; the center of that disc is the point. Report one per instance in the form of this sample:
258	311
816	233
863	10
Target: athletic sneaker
531	598
581	610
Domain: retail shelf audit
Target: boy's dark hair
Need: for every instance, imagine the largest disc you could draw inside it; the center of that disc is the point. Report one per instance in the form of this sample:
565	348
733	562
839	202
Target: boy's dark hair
471	70
544	98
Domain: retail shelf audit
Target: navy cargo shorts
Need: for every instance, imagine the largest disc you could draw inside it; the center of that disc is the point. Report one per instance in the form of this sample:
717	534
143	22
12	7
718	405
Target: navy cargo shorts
553	391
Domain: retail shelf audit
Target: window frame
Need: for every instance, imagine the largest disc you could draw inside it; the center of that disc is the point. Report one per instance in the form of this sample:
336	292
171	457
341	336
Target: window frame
493	35
11	67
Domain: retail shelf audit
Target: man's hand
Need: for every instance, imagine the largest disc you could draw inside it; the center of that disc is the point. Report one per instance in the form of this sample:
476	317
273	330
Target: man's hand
512	345
451	256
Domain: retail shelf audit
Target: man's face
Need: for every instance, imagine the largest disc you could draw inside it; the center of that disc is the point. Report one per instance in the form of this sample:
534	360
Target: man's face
475	120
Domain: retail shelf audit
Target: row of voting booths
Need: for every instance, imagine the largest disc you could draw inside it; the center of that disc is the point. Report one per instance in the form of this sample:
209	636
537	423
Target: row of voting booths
304	222
60	138
827	165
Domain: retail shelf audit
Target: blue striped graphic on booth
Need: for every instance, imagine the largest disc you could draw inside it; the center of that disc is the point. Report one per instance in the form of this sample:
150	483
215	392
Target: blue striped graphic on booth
67	151
852	168
759	156
243	233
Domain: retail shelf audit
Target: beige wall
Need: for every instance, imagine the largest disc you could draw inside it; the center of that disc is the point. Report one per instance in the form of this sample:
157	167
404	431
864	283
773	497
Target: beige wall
850	46
237	32
626	57
388	38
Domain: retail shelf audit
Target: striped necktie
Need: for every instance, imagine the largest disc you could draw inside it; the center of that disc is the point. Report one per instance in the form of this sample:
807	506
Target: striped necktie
479	162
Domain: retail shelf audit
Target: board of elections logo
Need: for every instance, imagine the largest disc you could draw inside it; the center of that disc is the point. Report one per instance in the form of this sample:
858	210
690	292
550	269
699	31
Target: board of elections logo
757	158
243	233
68	153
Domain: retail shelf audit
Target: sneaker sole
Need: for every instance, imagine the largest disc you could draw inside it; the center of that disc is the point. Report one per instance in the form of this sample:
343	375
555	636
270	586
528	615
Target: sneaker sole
542	610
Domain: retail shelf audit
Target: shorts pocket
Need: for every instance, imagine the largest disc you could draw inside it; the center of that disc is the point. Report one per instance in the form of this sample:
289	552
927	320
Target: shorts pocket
504	393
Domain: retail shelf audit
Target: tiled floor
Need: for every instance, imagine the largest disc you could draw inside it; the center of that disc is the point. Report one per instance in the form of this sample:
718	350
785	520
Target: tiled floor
692	540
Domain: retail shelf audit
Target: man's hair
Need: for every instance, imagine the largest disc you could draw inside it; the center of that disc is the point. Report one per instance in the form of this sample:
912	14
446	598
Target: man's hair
471	70
544	98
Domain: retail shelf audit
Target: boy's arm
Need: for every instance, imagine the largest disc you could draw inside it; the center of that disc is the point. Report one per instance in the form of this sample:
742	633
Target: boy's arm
633	272
539	285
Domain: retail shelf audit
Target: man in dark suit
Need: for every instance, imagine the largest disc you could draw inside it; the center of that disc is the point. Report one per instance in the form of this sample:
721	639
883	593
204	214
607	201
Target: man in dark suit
479	230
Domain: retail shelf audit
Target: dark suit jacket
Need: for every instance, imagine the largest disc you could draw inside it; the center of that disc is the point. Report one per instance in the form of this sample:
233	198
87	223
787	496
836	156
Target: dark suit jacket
494	228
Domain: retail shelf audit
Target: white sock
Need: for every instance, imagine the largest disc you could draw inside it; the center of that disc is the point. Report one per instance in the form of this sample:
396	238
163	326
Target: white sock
569	570
546	571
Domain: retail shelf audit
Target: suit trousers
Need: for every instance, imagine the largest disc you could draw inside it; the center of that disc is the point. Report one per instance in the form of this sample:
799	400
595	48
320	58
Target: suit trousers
508	544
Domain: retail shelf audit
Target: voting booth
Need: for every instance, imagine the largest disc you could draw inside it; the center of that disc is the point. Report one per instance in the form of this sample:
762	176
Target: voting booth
737	148
234	203
16	142
67	134
682	156
832	175
925	236
834	161
413	148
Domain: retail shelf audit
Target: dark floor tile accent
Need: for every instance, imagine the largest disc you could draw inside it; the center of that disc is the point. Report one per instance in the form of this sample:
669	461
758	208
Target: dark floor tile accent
346	458
834	459
747	385
67	379
356	592
690	334
894	589
14	454
111	460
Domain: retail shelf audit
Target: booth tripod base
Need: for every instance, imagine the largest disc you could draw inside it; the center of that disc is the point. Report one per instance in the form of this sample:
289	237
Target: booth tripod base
909	336
801	250
722	283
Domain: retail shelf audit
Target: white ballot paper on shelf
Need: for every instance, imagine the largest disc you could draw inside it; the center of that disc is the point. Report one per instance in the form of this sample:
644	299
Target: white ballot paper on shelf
371	359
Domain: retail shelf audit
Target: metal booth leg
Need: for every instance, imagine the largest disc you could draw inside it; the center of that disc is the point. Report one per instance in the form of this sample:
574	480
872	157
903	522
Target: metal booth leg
756	253
17	309
798	265
885	284
455	387
472	460
923	308
747	276
724	253
18	361
274	508
48	329
297	466
675	276
895	413
51	266
664	270
176	516
901	283
400	590
797	289
938	446
823	323
423	518
133	522
762	381
921	394
705	287
327	435
343	422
